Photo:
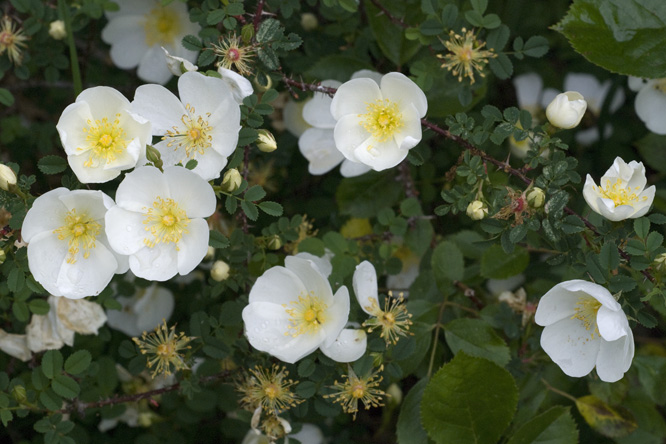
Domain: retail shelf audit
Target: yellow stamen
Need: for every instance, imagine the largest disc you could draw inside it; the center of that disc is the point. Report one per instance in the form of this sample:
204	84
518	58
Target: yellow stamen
466	55
586	312
166	221
193	137
383	119
307	315
80	231
106	141
620	193
162	26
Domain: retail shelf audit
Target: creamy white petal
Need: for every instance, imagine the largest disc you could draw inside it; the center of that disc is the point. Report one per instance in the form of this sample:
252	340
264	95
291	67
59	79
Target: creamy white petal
557	304
102	100
87	276
81	316
598	292
159	263
41	335
569	345
410	133
311	277
354	96
615	358
266	325
336	316
650	106
15	345
349	346
71	126
125	230
156	304
127	38
87	174
193	246
191	192
239	85
352	169
203	92
153	66
46	255
612	324
323	263
349	134
159	105
317	110
365	287
368	74
380	155
139	189
636	83
398	88
528	89
318	147
209	165
277	285
46	214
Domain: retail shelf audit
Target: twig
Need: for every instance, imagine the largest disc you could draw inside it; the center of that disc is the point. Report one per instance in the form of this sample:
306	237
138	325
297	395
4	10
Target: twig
395	20
257	15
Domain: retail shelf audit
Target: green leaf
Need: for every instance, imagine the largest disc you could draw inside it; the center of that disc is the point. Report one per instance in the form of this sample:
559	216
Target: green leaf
250	210
496	264
78	362
306	368
306	389
469	400
52	164
268	57
554	426
52	363
409	428
50	400
39	306
447	263
6	97
270	29
536	46
192	43
16	280
479	6
642	227
254	193
501	66
654	241
231	204
336	67
191	164
365	195
612	422
65	387
271	208
312	245
389	37
5	417
21	311
206	58
623	36
609	258
217	240
476	338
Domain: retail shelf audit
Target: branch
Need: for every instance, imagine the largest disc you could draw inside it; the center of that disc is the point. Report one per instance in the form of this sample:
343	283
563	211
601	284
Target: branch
395	20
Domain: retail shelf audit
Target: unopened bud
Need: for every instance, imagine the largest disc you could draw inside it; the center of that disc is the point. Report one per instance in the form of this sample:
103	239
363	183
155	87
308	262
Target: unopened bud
232	180
395	394
660	262
274	242
57	30
309	21
3	256
247	32
536	197
220	271
154	156
477	210
7	177
266	142
566	110
19	394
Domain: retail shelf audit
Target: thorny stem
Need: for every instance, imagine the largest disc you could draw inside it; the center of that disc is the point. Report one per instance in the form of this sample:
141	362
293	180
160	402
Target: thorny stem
79	406
502	165
257	15
469	293
395	20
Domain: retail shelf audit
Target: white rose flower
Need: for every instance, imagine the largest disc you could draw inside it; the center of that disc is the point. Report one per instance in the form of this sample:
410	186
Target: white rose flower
585	327
202	125
566	110
621	193
378	125
68	251
144	311
292	311
101	136
240	86
159	221
650	103
138	31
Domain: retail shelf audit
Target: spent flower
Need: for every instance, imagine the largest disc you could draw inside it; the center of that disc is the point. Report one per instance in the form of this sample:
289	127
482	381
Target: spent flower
234	54
164	348
466	55
12	40
269	389
355	389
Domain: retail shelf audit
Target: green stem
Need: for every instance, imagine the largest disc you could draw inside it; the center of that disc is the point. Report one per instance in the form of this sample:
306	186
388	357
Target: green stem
436	338
73	57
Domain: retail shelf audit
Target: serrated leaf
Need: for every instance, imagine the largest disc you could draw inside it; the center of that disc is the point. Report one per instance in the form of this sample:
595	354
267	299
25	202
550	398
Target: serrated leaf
39	306
654	241
65	387
52	363
270	29
268	57
6	97
192	43
536	46
476	338
306	389
496	264
554	426
612	422
609	258
409	429
463	391
642	227
250	210
271	208
52	164
231	204
254	193
206	58
447	263
78	362
50	400
623	36
217	239
16	280
501	66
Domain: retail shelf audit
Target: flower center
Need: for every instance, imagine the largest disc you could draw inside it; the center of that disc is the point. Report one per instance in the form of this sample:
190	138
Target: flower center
166	221
233	54
162	26
660	85
382	120
358	391
307	315
193	137
106	141
271	391
620	193
586	312
80	231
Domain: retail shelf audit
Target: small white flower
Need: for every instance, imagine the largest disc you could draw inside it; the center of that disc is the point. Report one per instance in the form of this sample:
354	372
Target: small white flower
566	110
292	311
477	210
202	125
220	271
143	311
650	103
65	318
621	193
377	125
178	65
159	221
101	136
240	86
138	31
68	252
585	327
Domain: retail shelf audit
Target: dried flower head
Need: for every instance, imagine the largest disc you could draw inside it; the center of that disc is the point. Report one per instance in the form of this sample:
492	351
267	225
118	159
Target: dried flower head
233	53
12	40
394	320
356	389
268	388
466	55
516	207
163	347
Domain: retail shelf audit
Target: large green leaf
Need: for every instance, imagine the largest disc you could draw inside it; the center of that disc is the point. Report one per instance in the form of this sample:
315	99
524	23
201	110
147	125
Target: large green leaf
409	428
610	421
496	264
447	263
390	36
476	338
469	400
623	36
554	426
